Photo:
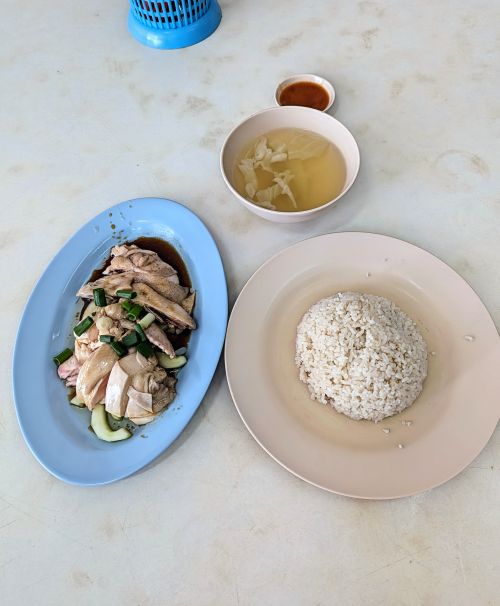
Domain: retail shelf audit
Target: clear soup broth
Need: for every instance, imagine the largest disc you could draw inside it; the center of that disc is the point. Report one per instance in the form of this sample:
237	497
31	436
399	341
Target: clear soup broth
290	170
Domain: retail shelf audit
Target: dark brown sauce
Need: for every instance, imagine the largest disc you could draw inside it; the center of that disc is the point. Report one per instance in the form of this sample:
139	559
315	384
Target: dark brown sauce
181	340
307	94
170	255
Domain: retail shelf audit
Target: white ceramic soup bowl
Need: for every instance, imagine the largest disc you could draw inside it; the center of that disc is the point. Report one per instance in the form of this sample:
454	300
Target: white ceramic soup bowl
289	117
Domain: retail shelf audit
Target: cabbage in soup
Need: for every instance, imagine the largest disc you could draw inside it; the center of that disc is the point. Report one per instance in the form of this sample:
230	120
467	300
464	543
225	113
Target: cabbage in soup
290	169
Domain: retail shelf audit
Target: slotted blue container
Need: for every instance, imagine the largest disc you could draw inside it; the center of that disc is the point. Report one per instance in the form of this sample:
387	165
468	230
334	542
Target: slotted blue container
173	23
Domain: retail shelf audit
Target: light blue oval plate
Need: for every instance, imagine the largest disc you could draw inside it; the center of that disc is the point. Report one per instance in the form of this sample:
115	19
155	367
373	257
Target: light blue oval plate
56	432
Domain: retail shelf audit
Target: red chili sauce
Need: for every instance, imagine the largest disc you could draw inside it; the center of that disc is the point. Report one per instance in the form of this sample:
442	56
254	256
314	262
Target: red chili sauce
307	94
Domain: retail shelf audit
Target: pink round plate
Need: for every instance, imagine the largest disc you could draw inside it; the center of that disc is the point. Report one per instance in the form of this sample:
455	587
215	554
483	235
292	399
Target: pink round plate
440	434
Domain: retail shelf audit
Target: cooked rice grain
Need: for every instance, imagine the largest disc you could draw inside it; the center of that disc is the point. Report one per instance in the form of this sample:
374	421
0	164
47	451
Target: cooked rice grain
361	354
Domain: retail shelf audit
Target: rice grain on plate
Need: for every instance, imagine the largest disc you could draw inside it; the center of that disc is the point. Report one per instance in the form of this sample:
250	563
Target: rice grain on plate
361	354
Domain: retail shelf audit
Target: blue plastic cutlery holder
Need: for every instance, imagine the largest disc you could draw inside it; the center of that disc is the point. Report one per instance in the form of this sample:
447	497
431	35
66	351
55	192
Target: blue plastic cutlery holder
173	23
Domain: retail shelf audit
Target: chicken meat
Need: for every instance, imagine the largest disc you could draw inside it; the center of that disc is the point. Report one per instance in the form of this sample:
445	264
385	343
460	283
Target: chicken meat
148	297
143	376
158	337
129	257
68	371
131	386
110	284
94	374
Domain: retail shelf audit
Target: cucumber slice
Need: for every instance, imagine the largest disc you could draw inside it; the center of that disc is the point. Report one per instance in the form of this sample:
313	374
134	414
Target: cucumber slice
77	402
171	363
102	430
116	418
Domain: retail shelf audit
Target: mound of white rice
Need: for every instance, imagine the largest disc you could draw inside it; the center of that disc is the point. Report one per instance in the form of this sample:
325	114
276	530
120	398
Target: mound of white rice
361	354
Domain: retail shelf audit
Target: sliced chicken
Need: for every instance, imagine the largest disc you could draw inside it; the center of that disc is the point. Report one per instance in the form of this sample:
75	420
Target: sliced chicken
112	320
89	335
160	400
165	395
98	394
157	337
174	279
140	404
82	351
149	382
68	371
110	284
128	257
133	386
109	320
116	390
140	407
115	311
148	297
138	388
163	286
188	303
94	374
136	363
132	368
86	344
115	282
104	324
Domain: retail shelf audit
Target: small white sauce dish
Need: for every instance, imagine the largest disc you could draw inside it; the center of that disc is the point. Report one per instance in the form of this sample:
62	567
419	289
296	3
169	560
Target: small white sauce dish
323	82
290	116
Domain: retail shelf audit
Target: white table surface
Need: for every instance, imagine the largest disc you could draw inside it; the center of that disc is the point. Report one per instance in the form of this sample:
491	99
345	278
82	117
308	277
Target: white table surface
88	118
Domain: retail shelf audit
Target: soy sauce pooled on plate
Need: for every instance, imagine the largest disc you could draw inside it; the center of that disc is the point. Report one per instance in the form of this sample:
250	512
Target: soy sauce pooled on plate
307	94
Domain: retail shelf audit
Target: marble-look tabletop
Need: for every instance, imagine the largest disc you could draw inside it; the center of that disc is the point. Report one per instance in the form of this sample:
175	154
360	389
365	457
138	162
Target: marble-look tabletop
89	117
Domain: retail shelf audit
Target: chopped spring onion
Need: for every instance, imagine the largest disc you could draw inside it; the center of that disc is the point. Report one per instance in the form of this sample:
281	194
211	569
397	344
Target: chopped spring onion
118	347
170	363
100	297
84	325
131	339
127	305
126	293
145	349
62	357
140	331
146	322
106	338
134	312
